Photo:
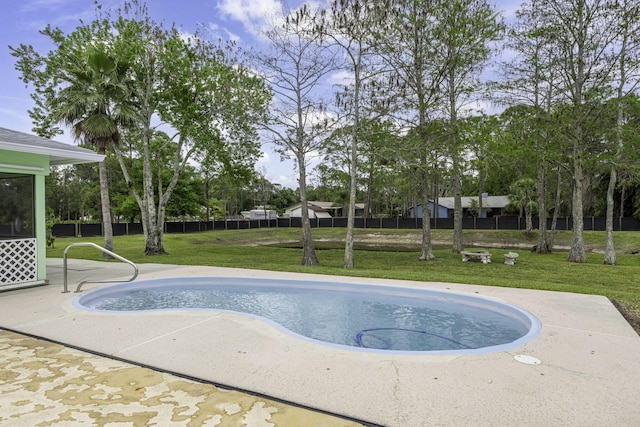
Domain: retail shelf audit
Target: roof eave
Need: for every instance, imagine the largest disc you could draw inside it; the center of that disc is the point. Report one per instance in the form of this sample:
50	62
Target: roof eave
56	156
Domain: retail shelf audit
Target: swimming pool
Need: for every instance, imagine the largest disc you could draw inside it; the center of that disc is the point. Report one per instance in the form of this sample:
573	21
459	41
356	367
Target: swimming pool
365	317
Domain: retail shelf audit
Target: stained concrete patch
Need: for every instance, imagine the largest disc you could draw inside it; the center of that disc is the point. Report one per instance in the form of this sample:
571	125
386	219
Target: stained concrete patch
46	384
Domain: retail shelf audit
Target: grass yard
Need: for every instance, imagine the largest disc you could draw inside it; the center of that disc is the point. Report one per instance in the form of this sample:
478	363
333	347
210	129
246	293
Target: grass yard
394	254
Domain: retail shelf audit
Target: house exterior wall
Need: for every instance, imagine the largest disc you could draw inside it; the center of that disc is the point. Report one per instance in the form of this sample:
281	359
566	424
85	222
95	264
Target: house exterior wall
442	211
491	206
291	209
38	166
297	212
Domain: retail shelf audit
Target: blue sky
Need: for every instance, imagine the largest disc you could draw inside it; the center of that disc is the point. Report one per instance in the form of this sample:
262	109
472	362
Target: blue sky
20	22
241	20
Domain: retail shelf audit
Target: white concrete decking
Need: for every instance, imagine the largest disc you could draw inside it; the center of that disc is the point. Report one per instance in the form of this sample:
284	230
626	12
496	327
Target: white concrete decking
589	375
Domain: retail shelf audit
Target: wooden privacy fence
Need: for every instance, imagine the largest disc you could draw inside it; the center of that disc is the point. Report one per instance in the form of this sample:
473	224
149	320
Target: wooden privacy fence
471	223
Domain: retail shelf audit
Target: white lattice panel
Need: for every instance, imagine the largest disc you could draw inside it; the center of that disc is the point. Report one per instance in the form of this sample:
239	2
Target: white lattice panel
18	261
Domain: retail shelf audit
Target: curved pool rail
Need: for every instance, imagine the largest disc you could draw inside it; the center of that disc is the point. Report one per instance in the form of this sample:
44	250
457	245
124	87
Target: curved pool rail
103	250
375	298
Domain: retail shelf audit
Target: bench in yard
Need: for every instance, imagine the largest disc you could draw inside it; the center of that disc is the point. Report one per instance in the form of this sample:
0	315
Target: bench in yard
510	258
484	256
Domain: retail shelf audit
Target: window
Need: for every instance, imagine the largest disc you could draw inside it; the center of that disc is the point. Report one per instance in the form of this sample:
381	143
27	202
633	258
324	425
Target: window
16	206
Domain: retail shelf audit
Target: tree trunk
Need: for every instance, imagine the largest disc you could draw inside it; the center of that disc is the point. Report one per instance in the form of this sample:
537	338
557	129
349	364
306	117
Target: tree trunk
207	183
349	261
528	219
309	256
427	250
610	251
369	197
107	227
456	166
556	210
577	253
457	207
480	190
436	201
543	245
153	237
348	248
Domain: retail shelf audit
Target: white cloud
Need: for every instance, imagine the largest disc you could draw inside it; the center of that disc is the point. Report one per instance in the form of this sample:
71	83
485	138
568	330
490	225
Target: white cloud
289	181
253	14
218	32
38	5
342	78
277	170
264	159
231	35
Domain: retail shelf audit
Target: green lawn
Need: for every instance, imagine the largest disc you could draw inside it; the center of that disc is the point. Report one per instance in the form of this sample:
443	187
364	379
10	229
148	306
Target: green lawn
395	256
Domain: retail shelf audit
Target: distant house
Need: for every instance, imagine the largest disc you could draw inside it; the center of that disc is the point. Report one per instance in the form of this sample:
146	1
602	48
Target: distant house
491	206
442	210
316	210
322	210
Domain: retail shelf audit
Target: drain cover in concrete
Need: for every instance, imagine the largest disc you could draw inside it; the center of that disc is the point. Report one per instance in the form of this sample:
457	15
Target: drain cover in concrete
529	360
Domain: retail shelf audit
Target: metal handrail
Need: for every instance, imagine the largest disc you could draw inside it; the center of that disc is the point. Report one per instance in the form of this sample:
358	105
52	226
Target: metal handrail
106	251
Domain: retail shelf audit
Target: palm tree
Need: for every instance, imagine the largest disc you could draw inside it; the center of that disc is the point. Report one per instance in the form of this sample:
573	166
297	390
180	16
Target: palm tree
96	102
523	195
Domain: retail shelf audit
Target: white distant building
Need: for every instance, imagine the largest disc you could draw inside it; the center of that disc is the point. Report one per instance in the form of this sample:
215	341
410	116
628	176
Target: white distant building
322	210
316	210
263	214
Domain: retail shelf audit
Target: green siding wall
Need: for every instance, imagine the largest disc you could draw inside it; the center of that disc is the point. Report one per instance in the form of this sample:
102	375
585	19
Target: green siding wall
38	165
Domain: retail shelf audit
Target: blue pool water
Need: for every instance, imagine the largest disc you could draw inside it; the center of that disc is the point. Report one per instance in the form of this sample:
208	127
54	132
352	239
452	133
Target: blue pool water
367	317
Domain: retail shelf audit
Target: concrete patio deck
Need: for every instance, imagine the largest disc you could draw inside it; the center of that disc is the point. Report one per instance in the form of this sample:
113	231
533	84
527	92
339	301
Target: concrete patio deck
589	375
47	384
